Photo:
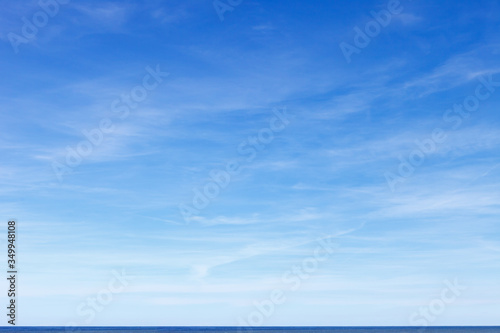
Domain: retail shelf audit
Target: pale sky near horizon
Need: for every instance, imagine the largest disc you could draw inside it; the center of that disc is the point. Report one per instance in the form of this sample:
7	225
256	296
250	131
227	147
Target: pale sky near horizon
372	123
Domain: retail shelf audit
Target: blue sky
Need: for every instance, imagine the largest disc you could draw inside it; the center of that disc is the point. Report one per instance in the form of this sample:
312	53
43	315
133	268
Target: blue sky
376	151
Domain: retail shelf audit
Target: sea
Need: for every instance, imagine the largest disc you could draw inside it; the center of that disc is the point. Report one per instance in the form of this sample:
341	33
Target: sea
323	329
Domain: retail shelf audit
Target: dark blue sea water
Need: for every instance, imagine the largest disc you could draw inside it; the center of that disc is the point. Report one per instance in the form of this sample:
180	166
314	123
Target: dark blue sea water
150	329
